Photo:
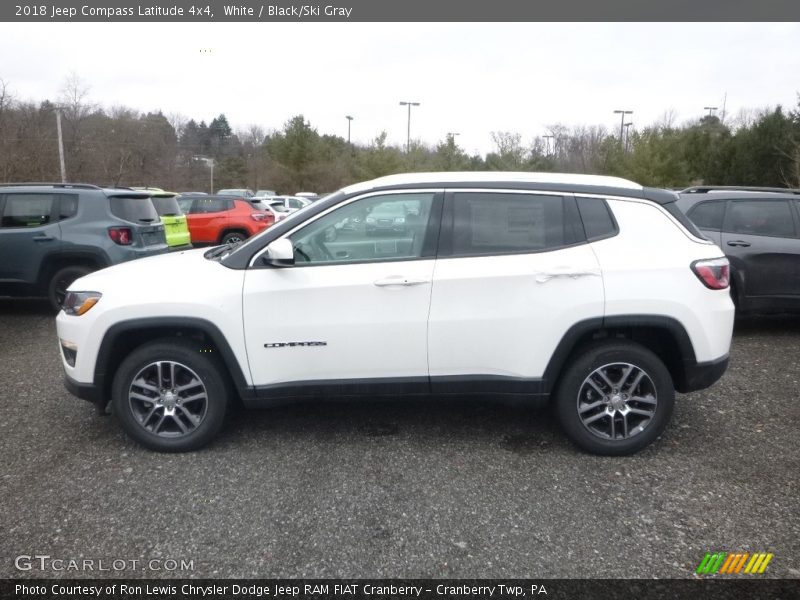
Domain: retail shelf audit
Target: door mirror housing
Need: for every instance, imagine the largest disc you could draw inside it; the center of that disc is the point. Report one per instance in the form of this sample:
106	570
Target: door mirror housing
280	253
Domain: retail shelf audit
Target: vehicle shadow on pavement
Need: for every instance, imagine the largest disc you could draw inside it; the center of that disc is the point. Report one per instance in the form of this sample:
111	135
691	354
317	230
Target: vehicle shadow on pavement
767	324
25	306
517	429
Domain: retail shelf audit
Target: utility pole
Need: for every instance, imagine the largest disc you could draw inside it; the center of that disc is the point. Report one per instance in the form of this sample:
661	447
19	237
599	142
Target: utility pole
61	148
408	135
622	114
349	120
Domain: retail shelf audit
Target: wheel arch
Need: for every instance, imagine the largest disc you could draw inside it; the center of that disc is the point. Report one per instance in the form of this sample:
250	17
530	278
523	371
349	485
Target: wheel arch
124	337
94	259
664	336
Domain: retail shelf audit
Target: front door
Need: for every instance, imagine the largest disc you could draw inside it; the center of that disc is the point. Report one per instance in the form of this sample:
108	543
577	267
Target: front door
352	312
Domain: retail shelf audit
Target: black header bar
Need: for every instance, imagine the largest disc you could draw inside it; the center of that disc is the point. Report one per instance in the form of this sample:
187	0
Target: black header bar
254	11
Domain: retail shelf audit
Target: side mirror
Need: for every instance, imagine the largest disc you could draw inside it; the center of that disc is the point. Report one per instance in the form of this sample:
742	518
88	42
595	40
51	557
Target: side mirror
280	253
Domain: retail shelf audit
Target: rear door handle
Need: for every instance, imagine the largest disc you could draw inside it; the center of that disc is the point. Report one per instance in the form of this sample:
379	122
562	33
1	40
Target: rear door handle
43	238
739	243
404	281
573	273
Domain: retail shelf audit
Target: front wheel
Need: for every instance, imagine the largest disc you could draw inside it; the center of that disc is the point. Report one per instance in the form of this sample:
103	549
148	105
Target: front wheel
615	399
60	281
170	395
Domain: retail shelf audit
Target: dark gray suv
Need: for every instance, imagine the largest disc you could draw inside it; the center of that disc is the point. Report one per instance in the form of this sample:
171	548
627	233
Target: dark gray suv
759	231
51	234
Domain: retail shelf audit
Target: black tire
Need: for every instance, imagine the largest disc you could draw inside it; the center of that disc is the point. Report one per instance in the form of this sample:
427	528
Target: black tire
60	281
234	236
194	361
575	398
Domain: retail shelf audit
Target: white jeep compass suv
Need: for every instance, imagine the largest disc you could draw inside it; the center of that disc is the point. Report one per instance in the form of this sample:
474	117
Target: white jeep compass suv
592	291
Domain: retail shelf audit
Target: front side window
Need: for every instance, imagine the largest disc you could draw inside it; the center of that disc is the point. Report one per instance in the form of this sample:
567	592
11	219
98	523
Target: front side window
377	228
27	210
502	223
765	217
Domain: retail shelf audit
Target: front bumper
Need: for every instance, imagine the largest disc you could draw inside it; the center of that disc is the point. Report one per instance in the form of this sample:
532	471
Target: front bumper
85	391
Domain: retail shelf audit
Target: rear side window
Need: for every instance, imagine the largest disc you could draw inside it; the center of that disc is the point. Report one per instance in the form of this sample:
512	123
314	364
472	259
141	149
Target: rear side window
708	215
27	210
597	220
133	209
167	206
764	217
501	223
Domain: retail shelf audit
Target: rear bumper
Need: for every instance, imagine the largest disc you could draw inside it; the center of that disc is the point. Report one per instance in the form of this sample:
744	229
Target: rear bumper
181	247
699	376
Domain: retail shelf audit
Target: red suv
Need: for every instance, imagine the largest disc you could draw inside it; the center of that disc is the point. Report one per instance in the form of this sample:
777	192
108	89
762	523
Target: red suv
223	219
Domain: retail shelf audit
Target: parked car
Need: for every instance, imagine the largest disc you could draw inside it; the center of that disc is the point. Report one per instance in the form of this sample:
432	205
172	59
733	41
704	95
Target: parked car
265	194
52	234
276	209
760	234
175	224
241	193
223	219
290	203
591	290
310	196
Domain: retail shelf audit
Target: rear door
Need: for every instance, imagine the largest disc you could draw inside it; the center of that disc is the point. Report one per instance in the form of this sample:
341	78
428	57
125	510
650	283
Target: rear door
760	239
29	233
512	275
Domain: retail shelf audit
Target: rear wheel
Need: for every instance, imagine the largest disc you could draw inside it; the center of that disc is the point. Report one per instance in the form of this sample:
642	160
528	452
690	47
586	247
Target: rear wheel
615	399
60	281
170	395
234	237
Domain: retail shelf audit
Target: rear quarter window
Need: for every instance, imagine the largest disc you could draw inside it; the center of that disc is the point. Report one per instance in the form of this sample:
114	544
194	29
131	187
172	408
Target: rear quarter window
597	219
708	215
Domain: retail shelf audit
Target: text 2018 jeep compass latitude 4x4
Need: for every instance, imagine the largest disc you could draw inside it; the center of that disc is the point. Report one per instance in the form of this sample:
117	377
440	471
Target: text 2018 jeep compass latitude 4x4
522	286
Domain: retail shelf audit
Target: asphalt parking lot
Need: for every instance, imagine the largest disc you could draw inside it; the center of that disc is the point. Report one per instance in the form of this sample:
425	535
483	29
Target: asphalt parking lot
401	489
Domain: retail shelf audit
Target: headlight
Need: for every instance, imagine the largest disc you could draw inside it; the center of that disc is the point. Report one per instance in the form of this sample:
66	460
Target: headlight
77	303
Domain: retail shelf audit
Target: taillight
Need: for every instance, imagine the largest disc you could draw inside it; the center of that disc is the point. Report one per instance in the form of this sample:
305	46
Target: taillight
714	273
263	216
121	235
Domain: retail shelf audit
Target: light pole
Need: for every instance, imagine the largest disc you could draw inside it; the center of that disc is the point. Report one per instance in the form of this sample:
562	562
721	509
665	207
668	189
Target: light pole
408	135
627	133
622	114
710	109
349	120
451	136
547	139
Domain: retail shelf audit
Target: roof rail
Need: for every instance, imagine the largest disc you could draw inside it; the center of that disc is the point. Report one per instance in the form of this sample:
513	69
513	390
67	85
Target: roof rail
79	186
704	189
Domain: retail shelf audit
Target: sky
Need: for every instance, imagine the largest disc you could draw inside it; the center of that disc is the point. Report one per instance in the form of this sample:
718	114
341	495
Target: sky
472	79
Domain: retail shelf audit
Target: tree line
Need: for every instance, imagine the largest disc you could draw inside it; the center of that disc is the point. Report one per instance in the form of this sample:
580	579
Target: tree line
122	146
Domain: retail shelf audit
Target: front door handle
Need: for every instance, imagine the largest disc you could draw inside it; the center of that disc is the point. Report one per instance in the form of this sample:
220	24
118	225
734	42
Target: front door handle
739	243
399	280
43	238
